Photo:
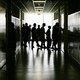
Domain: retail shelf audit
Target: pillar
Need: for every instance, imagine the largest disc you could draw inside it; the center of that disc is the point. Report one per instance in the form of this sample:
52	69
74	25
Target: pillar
20	27
8	22
59	20
65	27
9	59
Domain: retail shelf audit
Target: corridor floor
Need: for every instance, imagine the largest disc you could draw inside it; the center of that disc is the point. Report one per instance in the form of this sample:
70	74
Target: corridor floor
43	64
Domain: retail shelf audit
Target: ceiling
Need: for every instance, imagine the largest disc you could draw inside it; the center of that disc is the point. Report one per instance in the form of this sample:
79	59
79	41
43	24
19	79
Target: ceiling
38	5
43	5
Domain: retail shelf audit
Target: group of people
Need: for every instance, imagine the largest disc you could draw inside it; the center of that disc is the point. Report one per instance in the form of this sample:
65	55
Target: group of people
38	34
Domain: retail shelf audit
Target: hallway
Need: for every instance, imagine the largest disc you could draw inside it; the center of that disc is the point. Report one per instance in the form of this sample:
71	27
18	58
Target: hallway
43	64
37	63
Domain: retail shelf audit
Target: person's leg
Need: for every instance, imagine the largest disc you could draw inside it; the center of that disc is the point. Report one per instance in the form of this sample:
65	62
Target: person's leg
49	43
32	43
25	43
37	41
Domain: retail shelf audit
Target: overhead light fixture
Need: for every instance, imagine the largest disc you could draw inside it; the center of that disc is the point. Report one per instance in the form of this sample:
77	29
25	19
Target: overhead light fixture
39	5
39	1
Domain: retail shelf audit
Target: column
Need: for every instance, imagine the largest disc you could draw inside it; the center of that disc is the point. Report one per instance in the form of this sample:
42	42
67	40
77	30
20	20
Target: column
65	27
10	66
59	20
20	27
8	22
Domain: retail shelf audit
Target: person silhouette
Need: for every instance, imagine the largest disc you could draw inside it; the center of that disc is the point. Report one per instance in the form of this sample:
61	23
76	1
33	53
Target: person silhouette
12	38
43	35
48	33
30	33
22	33
56	34
25	32
11	48
38	32
33	34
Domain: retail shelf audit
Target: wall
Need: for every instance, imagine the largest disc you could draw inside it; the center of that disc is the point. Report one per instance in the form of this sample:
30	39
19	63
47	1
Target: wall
2	30
74	35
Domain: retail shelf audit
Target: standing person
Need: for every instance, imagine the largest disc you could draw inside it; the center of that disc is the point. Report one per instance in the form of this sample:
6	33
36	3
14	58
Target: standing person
11	47
22	33
43	35
12	38
33	34
38	34
56	34
30	32
29	36
48	33
25	34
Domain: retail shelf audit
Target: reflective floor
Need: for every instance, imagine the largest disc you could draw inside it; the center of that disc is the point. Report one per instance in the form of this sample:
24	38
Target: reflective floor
42	64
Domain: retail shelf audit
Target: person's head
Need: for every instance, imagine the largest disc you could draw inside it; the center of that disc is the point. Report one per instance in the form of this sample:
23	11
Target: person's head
38	26
26	24
34	24
49	27
57	24
23	25
43	24
30	25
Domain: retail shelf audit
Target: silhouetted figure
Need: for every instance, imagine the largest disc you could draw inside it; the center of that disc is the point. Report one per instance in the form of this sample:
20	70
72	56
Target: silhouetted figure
17	33
11	47
33	34
43	35
30	32
29	35
11	42
56	34
25	33
38	34
22	33
12	38
48	33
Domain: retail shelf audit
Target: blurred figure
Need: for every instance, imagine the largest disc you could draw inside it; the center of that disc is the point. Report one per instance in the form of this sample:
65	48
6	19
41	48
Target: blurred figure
17	33
34	35
11	42
43	35
38	34
22	33
56	34
30	32
25	34
29	36
12	38
48	33
11	47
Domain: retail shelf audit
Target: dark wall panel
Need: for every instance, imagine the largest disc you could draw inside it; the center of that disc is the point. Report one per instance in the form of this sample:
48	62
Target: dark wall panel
15	11
73	6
